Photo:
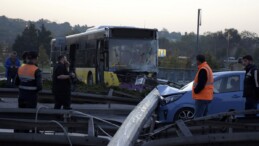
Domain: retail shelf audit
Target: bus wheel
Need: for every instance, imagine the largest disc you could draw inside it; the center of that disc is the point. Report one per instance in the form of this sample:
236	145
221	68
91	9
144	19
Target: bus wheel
90	79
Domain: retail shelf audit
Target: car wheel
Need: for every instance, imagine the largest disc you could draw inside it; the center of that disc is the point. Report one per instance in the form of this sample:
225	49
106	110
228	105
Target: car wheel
90	80
184	114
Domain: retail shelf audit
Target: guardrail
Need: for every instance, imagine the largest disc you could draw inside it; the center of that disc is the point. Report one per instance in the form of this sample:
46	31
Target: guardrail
74	127
13	92
219	129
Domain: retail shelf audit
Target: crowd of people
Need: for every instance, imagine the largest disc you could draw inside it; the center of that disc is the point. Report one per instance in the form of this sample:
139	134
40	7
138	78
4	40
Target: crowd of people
28	78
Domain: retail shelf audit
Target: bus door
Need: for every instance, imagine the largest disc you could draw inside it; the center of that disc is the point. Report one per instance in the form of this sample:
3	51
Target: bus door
100	61
72	57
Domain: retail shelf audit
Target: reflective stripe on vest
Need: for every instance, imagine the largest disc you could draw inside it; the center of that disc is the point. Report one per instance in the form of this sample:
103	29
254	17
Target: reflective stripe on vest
28	88
207	92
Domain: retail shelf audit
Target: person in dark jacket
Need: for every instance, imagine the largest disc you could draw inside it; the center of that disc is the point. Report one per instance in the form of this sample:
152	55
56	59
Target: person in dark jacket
11	66
251	84
24	57
61	87
29	81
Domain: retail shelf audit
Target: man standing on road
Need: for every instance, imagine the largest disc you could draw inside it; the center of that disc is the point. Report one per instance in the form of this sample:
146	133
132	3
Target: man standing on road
12	64
251	84
61	87
29	80
202	90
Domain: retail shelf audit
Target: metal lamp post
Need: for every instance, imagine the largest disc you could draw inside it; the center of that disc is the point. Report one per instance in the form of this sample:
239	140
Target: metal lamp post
198	28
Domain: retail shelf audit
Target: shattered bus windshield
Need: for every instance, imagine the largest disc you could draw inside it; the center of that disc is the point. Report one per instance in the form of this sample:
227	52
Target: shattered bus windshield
137	55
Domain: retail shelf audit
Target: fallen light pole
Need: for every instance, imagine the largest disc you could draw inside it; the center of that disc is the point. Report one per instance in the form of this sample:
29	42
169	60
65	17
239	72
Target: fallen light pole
132	126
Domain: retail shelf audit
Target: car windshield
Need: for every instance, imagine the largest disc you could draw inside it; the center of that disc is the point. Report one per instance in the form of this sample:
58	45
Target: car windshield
138	55
188	86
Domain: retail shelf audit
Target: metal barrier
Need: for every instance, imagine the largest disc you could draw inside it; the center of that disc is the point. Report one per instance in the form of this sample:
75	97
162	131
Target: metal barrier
13	92
71	127
132	126
220	129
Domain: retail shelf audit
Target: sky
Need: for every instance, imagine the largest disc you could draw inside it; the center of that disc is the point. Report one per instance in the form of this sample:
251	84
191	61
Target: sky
174	15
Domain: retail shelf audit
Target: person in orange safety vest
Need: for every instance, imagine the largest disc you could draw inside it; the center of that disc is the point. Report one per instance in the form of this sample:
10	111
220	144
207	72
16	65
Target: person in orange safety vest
202	90
29	81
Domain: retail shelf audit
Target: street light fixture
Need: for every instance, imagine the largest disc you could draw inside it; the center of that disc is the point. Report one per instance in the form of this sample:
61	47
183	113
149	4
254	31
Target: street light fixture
198	28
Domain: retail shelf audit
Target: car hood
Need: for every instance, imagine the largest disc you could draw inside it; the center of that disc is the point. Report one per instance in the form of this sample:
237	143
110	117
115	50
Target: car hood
166	90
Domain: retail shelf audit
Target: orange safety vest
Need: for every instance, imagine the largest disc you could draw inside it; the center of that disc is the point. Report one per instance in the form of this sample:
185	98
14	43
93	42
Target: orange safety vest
26	75
207	92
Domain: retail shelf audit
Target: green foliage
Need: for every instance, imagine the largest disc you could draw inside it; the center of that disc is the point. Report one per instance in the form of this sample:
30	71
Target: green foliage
44	38
1	52
255	56
173	36
10	28
176	44
212	61
98	89
31	38
2	69
43	59
214	45
241	52
77	29
28	41
2	84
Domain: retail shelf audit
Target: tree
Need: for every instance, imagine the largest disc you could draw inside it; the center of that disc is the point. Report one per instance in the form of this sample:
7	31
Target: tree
255	56
45	38
241	52
1	52
43	57
28	41
212	61
164	43
248	39
31	38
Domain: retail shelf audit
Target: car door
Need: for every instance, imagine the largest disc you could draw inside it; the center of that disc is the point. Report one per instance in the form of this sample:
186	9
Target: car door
227	94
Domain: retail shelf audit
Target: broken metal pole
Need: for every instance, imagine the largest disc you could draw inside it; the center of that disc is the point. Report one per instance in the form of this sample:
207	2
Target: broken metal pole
132	126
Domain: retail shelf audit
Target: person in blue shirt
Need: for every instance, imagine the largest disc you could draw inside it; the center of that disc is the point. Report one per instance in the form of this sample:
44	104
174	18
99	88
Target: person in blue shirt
11	67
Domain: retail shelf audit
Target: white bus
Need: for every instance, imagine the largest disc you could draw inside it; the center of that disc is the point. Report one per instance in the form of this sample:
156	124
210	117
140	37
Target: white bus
115	56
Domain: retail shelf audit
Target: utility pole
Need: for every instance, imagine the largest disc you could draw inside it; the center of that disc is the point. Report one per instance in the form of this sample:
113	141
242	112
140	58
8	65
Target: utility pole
228	48
198	28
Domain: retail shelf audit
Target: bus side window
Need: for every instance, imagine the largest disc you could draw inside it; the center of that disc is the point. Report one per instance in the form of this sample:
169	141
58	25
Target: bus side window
91	53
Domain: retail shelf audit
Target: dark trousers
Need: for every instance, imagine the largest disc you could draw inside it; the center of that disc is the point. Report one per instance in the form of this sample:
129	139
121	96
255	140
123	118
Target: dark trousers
201	108
10	81
62	100
26	103
251	104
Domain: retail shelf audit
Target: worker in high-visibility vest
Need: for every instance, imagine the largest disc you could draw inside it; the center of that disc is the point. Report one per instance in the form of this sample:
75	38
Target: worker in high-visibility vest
29	81
202	90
